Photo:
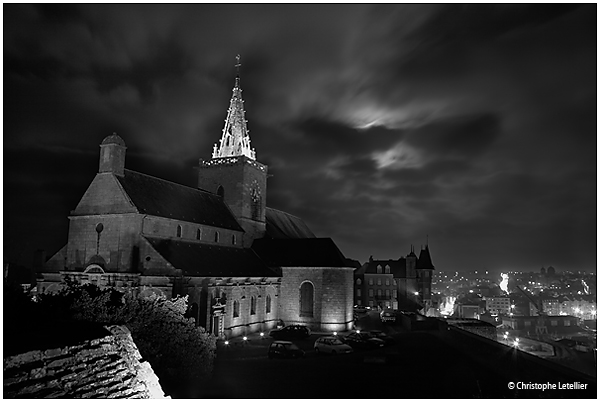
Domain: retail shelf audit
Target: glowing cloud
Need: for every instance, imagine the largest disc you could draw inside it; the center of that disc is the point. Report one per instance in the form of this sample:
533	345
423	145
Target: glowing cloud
401	156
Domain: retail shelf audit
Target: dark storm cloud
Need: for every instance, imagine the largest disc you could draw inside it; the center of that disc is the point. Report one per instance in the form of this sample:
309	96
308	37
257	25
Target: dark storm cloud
473	124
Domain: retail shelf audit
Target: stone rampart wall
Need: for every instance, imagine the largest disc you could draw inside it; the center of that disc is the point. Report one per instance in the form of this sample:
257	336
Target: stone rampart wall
107	367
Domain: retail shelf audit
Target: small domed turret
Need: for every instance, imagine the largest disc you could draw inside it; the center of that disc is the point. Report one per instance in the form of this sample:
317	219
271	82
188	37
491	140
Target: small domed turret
114	138
112	155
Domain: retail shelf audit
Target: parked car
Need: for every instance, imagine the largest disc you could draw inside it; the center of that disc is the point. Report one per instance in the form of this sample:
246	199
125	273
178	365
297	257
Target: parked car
284	349
388	340
388	316
361	309
363	340
331	345
290	332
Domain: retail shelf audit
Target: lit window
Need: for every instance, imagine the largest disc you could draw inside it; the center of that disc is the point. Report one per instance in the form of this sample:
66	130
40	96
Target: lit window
387	282
379	282
554	323
567	323
394	282
379	269
371	281
394	293
236	308
379	292
358	281
387	269
178	230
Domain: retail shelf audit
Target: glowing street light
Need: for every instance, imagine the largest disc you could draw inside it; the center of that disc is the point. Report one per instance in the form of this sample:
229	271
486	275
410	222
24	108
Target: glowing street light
262	334
226	343
334	333
245	338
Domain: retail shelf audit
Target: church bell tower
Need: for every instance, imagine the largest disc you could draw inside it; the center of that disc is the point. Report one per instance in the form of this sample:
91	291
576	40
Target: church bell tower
233	172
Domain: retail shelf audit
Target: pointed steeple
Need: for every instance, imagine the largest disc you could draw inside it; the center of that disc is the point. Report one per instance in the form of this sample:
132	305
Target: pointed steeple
235	140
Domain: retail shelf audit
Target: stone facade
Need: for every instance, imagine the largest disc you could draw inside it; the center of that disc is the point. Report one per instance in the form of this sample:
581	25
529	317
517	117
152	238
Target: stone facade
332	297
107	367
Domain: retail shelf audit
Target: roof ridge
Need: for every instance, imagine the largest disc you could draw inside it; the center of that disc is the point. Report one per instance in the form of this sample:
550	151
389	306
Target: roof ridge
284	212
172	182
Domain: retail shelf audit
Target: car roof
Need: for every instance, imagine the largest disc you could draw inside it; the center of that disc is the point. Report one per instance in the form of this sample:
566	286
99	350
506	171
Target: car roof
283	342
328	337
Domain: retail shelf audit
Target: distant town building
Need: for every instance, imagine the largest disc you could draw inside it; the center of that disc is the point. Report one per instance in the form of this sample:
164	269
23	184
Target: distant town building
498	305
244	266
553	324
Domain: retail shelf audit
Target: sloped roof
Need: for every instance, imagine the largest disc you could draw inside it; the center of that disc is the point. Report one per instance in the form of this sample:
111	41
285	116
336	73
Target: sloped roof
424	261
312	252
397	267
163	198
206	260
281	225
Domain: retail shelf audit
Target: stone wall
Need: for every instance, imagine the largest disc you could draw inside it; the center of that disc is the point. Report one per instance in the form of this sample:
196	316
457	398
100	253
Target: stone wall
105	367
332	297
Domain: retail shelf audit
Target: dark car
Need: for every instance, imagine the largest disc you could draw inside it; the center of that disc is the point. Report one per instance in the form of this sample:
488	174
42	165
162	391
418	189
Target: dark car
284	349
388	340
362	340
290	332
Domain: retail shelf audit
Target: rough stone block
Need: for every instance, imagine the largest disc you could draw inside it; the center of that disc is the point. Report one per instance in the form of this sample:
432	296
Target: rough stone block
54	352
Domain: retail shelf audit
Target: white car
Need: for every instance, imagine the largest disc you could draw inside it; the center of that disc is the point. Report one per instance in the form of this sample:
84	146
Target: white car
331	345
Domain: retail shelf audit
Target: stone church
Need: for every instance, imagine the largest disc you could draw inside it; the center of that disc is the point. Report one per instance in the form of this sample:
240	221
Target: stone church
243	265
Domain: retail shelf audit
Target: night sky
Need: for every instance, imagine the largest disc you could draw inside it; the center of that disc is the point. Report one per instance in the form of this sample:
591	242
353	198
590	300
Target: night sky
474	125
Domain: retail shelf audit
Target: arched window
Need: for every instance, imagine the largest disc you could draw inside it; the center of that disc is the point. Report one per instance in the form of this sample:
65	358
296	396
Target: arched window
387	269
379	292
178	230
379	269
306	299
221	191
198	234
379	281
253	305
236	308
371	281
387	282
268	304
358	281
255	207
216	237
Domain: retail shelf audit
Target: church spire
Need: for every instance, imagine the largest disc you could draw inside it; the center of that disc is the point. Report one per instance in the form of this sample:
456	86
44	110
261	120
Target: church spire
235	140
